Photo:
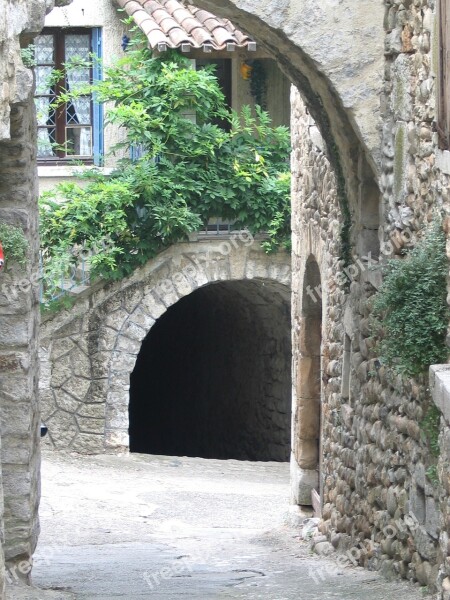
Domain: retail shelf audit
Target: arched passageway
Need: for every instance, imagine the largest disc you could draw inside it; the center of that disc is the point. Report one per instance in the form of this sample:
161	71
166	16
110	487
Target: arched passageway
213	377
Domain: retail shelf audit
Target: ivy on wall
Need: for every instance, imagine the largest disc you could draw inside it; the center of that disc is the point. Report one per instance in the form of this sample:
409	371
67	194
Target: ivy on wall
430	427
410	309
15	244
186	172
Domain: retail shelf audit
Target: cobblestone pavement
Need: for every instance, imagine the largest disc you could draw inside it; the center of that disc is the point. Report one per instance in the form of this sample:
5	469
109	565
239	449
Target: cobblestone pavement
138	526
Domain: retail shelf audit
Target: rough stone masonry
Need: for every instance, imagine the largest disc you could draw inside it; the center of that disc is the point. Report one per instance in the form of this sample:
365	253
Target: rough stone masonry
378	179
19	476
368	174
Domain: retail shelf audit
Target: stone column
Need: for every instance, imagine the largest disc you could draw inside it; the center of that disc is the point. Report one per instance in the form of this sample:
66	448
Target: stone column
19	414
440	392
2	556
18	333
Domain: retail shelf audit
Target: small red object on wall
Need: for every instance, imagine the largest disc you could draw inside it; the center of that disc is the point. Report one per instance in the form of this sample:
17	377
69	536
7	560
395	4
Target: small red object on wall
2	258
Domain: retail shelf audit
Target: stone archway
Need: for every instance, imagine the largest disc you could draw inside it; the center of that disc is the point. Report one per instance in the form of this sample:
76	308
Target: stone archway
89	353
334	56
255	284
213	376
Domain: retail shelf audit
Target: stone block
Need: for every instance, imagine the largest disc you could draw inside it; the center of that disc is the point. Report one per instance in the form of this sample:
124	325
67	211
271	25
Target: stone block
124	344
308	417
100	365
117	416
302	483
310	336
60	347
88	443
14	331
142	318
307	453
308	377
96	411
77	387
440	389
116	439
153	305
90	425
16	419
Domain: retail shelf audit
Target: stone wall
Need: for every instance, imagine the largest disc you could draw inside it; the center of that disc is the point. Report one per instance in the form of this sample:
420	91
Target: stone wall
440	391
19	325
415	185
19	474
357	438
89	352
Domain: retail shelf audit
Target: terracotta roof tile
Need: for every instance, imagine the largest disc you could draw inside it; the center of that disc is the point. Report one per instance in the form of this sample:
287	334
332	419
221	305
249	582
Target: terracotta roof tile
171	24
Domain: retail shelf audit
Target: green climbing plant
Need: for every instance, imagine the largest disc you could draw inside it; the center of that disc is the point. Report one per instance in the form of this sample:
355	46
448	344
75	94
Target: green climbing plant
15	244
430	427
183	173
410	311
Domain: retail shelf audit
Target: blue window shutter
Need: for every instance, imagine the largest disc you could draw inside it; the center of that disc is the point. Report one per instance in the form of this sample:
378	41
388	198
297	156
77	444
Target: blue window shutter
97	107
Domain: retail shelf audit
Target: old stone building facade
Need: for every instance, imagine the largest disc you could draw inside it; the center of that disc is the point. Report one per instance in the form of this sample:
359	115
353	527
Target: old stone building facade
368	174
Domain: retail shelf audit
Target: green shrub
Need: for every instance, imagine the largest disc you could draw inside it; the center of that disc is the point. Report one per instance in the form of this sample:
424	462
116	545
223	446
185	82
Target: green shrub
410	309
15	244
187	172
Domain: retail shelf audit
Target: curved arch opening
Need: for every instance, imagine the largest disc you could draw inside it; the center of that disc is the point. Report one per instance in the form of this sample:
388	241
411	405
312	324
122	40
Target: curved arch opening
354	162
213	376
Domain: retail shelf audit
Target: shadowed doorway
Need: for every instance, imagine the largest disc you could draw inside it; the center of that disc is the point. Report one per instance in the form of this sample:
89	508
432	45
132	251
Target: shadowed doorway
213	377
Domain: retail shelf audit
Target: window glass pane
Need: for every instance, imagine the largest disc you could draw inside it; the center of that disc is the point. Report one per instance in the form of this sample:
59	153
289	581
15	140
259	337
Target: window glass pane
77	53
78	141
43	80
45	139
45	113
77	78
78	48
79	111
44	49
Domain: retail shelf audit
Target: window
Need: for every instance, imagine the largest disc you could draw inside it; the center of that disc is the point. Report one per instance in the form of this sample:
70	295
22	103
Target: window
71	131
223	74
443	120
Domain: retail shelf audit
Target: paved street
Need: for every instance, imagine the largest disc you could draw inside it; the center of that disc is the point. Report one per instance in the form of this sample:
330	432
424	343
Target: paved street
138	526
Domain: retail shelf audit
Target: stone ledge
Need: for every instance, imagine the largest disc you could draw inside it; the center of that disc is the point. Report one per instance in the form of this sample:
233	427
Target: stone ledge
440	389
69	171
443	161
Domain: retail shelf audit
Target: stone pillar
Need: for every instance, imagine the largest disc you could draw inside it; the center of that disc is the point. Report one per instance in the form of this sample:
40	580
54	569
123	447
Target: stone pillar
440	392
19	414
18	337
2	556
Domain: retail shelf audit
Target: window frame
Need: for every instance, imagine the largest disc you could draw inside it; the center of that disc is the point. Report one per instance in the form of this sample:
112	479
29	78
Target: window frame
96	111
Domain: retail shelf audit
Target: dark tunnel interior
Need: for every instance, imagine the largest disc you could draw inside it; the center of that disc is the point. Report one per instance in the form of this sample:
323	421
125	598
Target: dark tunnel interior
213	377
